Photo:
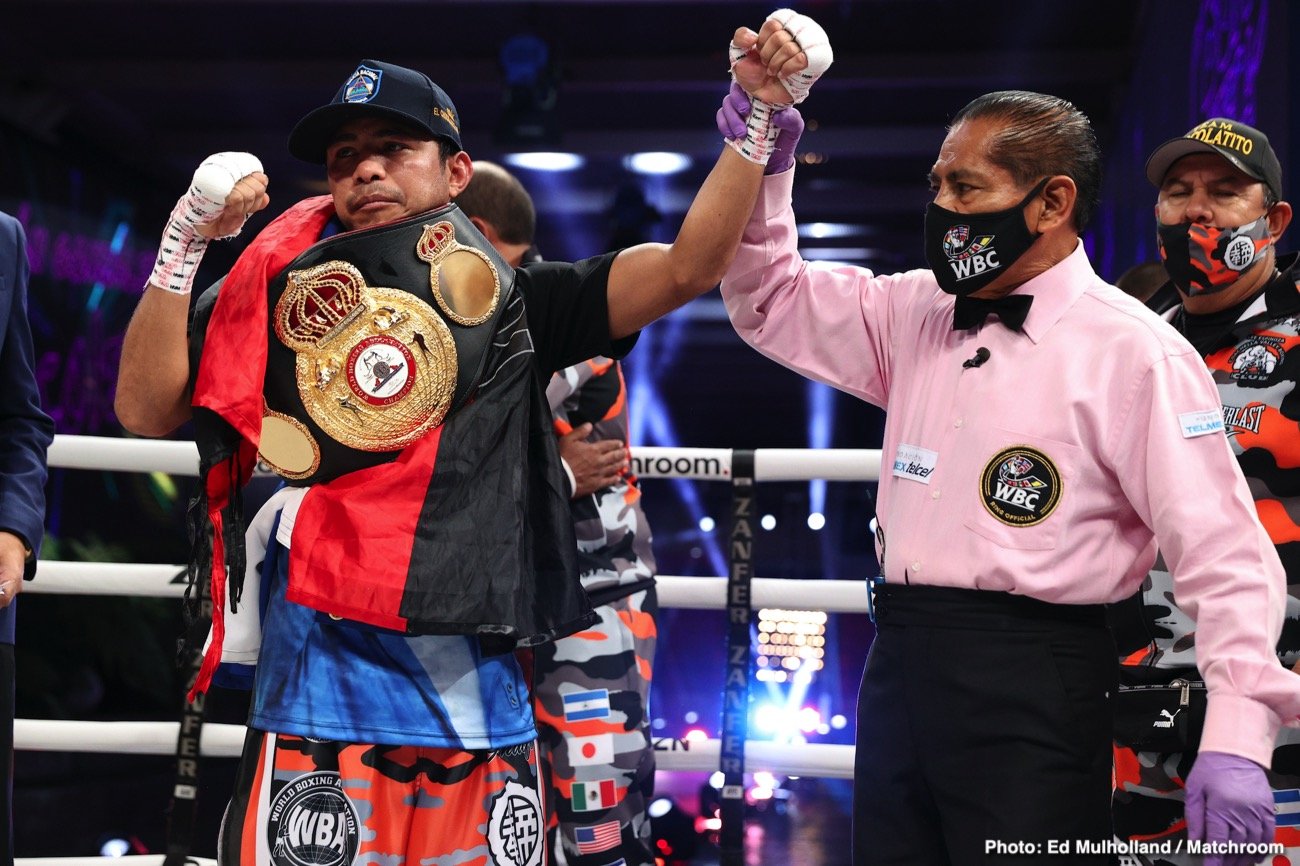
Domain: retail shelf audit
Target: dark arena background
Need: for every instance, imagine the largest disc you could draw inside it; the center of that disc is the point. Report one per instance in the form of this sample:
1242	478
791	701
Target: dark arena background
605	110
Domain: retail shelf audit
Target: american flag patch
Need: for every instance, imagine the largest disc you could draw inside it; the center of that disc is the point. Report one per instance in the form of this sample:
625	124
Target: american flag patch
601	837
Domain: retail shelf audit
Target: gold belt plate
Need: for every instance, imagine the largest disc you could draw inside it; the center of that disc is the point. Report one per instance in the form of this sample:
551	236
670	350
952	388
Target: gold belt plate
376	367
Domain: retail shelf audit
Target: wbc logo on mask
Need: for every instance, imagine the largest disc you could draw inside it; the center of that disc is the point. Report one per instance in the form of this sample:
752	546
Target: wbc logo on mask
967	255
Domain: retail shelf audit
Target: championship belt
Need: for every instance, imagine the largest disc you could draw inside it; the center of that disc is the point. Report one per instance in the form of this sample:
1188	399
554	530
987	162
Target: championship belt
375	336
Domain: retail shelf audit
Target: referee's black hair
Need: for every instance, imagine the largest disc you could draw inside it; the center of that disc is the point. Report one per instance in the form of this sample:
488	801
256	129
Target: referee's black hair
1044	136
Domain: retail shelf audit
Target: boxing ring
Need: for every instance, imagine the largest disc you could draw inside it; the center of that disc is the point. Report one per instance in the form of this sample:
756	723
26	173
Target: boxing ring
739	594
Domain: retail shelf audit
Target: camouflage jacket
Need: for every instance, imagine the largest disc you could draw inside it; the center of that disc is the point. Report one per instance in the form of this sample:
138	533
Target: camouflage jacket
614	555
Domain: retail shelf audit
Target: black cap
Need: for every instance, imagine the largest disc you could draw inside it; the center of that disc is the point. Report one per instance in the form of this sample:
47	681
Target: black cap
1244	146
377	88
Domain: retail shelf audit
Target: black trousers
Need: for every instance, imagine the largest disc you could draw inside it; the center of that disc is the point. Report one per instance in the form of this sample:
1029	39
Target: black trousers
984	731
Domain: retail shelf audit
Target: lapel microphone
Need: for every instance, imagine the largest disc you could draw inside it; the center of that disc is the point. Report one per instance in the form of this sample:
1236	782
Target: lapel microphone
981	355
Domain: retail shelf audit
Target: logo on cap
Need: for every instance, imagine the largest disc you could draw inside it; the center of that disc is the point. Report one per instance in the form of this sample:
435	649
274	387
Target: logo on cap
448	116
1218	133
363	86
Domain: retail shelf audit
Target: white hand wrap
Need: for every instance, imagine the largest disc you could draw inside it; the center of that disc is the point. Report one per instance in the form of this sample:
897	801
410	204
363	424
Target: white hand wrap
760	134
182	247
814	43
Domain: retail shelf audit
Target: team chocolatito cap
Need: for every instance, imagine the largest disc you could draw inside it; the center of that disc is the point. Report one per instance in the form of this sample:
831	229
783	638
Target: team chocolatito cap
383	88
1244	146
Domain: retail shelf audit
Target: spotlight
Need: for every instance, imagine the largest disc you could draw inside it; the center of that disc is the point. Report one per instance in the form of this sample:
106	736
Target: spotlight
707	524
657	162
767	521
820	230
545	160
816	521
115	848
660	807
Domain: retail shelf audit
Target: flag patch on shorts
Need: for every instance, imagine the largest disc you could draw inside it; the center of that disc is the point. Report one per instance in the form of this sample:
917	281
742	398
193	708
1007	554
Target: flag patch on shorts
580	706
590	796
601	837
1286	804
596	749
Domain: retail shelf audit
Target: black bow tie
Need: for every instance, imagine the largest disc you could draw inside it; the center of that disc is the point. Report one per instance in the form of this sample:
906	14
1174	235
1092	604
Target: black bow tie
971	312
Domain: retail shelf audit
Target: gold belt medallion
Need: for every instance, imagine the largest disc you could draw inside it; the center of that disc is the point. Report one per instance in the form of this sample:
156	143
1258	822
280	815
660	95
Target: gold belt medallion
376	367
464	282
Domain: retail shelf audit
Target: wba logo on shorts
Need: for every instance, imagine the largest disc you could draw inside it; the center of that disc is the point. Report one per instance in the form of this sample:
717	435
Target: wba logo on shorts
312	823
1020	486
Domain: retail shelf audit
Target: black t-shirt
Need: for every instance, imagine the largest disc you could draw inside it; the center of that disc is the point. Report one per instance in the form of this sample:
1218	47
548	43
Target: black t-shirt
568	312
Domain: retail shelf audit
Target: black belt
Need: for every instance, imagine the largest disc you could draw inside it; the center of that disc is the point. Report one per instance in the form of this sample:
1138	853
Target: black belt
950	607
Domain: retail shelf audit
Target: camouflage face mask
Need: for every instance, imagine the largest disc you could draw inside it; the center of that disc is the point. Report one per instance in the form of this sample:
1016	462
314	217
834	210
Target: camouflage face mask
1202	260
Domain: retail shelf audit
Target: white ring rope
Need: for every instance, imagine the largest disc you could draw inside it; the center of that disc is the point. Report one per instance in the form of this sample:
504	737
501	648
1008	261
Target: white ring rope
227	741
126	860
770	464
692	593
700	593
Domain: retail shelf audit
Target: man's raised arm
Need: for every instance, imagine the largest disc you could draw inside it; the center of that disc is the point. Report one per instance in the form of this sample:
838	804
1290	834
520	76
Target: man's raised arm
153	378
772	70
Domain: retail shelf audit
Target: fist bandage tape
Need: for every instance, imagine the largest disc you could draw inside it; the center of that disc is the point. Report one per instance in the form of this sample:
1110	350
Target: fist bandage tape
815	45
215	178
812	41
182	247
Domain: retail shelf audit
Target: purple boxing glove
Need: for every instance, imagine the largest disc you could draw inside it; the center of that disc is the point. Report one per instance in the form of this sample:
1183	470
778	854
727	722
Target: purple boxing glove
1229	800
770	142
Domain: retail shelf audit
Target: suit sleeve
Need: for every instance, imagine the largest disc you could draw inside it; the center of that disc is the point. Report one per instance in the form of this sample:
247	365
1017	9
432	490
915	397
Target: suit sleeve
25	431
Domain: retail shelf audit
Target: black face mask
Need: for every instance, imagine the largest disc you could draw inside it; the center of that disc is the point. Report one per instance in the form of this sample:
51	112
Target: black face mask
967	251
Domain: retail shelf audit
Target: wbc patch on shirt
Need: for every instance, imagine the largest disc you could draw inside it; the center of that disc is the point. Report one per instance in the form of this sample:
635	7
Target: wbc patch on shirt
1020	486
1201	423
914	462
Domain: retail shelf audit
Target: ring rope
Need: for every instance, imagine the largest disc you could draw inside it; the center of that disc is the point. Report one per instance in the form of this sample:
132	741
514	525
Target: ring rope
770	464
126	860
692	593
227	741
